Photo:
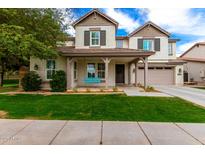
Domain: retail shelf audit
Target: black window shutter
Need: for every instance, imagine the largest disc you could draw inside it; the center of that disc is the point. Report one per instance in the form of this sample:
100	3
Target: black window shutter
157	44
140	43
103	37
86	38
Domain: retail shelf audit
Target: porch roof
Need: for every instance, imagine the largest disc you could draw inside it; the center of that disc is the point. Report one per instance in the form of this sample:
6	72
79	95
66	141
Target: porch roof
100	52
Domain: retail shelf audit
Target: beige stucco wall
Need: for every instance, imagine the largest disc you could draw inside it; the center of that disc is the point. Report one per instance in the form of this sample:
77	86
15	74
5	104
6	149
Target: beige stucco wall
60	65
110	36
125	44
193	69
196	52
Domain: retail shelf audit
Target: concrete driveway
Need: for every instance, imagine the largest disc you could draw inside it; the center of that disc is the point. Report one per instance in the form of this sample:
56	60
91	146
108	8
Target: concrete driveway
47	132
194	95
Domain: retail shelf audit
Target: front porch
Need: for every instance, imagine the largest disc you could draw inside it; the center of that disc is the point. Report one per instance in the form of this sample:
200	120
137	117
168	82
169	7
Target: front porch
103	67
103	72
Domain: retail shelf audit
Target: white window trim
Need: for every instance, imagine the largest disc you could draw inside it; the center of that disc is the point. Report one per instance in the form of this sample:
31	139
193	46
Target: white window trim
100	70
96	69
87	68
49	69
152	49
91	39
170	53
117	43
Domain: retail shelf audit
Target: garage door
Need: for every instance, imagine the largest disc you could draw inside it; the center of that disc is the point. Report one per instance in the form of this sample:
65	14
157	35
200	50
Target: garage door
157	75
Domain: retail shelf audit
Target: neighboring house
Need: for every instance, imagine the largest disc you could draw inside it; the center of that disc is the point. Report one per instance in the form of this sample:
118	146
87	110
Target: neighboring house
194	69
97	57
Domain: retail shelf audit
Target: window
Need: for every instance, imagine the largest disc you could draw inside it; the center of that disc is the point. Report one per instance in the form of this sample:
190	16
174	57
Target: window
170	49
50	68
75	70
91	70
119	43
95	38
101	70
148	45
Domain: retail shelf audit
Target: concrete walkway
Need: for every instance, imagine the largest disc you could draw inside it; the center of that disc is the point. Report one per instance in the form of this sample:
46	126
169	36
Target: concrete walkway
99	132
194	95
135	91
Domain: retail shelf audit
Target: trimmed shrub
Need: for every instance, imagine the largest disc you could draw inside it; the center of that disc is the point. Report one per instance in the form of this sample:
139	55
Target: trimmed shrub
31	81
11	81
58	82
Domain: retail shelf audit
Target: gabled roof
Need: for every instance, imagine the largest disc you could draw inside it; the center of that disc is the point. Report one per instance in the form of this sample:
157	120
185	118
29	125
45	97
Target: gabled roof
196	44
98	12
147	24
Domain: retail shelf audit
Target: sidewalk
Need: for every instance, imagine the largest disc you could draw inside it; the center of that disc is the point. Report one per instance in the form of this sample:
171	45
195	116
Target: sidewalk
99	132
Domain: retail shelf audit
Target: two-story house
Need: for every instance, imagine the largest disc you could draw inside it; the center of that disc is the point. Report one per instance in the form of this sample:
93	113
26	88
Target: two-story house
97	57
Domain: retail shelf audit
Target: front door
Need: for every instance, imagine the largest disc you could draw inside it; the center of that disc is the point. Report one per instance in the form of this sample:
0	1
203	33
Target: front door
120	73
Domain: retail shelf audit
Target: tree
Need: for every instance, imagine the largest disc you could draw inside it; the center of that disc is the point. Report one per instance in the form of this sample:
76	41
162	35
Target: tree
29	32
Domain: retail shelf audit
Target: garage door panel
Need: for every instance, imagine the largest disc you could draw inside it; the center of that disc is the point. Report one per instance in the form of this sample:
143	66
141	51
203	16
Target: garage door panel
157	77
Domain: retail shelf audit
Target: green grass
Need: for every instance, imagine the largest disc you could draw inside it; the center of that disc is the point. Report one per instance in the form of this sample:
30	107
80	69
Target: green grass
101	107
200	88
8	88
9	85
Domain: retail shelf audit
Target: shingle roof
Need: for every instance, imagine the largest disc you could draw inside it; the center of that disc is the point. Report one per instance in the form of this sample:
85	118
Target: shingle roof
99	52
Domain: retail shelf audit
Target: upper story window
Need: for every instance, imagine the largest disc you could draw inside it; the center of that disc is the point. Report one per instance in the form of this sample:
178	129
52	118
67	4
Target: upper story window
170	49
95	38
50	68
119	43
148	45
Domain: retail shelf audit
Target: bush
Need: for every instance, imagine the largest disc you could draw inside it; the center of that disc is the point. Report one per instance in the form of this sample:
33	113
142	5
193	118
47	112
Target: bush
31	81
58	82
11	81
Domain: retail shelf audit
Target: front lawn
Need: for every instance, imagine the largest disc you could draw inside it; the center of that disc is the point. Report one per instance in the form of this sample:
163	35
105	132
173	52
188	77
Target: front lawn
100	107
200	88
8	88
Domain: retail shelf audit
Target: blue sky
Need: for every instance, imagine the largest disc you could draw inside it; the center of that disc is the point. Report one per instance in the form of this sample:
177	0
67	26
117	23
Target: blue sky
186	24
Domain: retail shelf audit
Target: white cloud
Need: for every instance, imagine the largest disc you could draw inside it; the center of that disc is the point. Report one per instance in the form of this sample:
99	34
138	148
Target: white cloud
182	21
125	22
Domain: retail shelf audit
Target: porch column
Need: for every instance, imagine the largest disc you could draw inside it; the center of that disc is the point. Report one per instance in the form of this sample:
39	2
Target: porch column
69	73
136	68
106	61
145	72
129	73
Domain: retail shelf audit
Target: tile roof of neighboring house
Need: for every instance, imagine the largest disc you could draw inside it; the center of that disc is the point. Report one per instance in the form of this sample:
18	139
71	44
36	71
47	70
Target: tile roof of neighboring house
99	52
121	37
196	44
146	24
100	13
193	59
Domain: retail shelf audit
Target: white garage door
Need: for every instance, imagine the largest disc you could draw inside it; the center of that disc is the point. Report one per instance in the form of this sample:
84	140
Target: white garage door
157	75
